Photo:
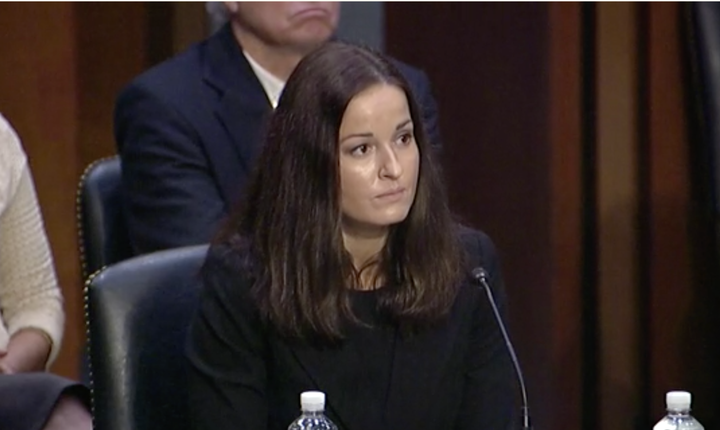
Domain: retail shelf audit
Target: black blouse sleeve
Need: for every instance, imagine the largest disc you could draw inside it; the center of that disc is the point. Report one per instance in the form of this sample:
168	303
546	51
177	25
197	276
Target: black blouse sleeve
226	351
490	393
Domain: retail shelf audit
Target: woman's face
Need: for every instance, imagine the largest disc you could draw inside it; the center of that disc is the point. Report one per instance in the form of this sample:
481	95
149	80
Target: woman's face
379	159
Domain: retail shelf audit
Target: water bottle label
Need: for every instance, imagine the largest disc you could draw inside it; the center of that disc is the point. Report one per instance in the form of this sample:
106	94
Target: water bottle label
675	425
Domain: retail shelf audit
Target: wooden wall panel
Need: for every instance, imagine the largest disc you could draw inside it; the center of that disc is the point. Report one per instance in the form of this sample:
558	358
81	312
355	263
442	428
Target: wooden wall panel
684	323
190	24
566	120
110	38
617	205
658	286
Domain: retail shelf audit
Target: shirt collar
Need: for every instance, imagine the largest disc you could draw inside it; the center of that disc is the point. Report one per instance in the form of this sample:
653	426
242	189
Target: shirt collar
272	85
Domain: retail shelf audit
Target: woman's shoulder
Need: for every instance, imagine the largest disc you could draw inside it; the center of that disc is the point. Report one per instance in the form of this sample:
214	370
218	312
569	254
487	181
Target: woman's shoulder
478	246
230	250
481	253
227	275
11	151
228	265
12	158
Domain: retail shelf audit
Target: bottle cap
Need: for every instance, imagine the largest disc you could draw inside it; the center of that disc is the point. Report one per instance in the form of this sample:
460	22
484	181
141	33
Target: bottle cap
678	400
312	401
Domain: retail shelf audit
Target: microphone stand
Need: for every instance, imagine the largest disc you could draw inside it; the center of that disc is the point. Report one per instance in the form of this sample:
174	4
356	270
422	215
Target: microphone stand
480	276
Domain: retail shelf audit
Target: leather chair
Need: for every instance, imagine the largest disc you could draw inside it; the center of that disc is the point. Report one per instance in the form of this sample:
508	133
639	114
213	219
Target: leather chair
703	46
702	43
102	231
138	312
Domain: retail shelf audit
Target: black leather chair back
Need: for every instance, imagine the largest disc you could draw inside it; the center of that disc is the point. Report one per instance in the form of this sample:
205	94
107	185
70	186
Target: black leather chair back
704	49
138	312
101	225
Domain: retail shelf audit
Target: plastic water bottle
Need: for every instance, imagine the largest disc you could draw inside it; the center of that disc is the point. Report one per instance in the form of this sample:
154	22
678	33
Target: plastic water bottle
678	413
312	404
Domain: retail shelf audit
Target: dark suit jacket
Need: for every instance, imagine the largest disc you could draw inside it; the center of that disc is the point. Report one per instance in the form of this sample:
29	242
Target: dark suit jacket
245	377
188	131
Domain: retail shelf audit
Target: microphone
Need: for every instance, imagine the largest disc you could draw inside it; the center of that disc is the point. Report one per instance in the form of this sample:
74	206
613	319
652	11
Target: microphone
480	276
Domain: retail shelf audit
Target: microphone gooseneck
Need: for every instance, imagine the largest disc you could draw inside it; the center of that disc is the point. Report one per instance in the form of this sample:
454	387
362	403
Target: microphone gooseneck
480	276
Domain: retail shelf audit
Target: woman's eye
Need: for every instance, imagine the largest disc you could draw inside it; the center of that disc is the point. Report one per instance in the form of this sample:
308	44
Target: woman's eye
406	139
360	150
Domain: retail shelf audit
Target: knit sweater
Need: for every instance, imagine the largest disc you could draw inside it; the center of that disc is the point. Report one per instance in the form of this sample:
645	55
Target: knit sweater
29	292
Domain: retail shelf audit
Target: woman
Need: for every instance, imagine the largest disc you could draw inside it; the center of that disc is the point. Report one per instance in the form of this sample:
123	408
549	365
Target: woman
32	320
346	274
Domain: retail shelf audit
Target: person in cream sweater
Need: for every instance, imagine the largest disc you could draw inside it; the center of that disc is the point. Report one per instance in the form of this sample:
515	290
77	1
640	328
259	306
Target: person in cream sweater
31	308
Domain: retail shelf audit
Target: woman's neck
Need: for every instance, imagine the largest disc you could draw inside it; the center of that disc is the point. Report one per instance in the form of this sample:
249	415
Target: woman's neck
365	247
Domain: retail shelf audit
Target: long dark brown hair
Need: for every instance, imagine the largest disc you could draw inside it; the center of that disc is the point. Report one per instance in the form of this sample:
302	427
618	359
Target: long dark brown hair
290	226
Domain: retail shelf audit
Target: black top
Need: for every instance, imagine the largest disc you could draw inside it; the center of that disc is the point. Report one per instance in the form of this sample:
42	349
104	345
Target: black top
374	344
456	375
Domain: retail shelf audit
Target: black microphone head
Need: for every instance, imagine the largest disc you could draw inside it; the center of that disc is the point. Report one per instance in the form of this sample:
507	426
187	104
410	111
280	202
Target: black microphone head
479	274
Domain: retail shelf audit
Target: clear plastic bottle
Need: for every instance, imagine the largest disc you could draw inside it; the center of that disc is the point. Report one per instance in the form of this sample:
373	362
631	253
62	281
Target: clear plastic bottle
678	413
312	404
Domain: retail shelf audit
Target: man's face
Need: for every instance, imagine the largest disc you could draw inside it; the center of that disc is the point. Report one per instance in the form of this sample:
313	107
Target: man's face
294	25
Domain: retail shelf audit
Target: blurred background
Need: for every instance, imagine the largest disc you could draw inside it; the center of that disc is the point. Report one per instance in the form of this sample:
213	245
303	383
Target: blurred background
573	135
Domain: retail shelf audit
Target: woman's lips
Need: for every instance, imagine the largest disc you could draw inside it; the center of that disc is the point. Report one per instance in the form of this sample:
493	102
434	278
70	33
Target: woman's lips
392	195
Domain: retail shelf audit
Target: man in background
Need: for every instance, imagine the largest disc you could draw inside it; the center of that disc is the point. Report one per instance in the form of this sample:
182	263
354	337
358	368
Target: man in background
189	129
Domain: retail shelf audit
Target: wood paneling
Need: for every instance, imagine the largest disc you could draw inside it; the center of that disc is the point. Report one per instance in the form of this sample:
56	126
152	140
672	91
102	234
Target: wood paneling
683	285
617	205
566	205
110	40
190	24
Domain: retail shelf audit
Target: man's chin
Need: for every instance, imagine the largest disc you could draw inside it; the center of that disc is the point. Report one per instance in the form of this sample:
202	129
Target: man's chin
311	37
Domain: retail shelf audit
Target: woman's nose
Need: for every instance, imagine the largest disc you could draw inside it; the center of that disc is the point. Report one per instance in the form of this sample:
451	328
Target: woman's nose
390	164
